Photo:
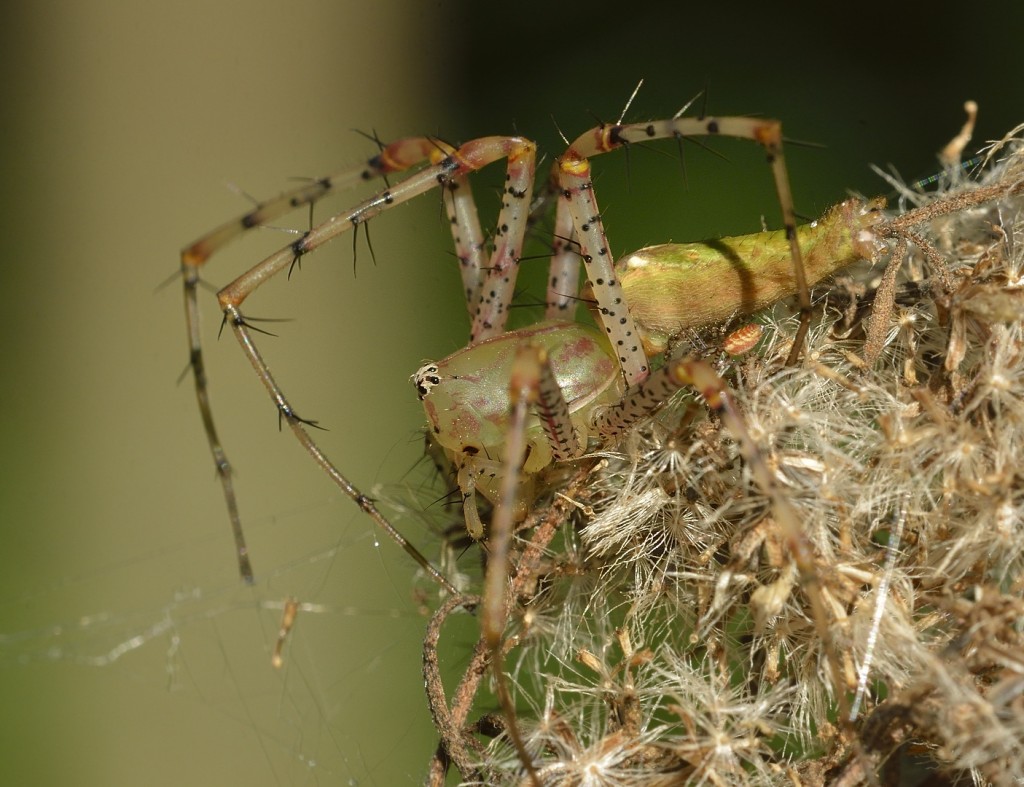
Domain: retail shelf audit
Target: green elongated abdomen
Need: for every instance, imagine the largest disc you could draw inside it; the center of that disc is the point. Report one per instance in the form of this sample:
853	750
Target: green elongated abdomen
676	286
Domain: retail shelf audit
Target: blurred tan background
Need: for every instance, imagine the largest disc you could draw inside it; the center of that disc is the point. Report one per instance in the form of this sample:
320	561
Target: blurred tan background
129	652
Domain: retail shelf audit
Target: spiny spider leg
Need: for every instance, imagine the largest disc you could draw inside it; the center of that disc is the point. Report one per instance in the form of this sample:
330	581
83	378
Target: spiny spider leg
532	386
574	178
469	238
395	157
493	303
298	427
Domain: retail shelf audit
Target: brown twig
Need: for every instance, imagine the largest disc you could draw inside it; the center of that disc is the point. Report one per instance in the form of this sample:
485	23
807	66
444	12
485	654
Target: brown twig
455	740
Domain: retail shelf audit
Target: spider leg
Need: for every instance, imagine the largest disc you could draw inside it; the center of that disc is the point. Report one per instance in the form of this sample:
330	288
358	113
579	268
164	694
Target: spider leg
533	389
448	165
574	177
397	156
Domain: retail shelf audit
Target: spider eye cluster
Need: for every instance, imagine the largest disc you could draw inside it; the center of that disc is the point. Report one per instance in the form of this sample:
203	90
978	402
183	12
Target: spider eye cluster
425	379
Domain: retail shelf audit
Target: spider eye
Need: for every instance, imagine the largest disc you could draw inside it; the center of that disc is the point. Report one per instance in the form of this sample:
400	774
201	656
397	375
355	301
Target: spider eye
425	379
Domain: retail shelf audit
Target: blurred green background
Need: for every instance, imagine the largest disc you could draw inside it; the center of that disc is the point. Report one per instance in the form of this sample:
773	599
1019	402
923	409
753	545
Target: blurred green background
129	652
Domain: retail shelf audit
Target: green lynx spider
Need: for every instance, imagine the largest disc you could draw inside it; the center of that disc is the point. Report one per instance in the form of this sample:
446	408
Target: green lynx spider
613	387
489	284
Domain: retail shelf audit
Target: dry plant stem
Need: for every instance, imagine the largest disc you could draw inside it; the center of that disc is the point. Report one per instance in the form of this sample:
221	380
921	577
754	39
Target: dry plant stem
901	225
902	230
800	549
454	742
532	387
885	298
452	724
556	513
951	154
288	615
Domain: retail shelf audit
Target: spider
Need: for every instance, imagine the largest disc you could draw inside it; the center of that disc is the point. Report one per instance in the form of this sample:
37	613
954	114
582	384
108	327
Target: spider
489	284
513	402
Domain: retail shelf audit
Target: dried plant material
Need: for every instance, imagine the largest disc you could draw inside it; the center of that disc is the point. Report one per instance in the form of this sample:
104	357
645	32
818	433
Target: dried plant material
905	472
